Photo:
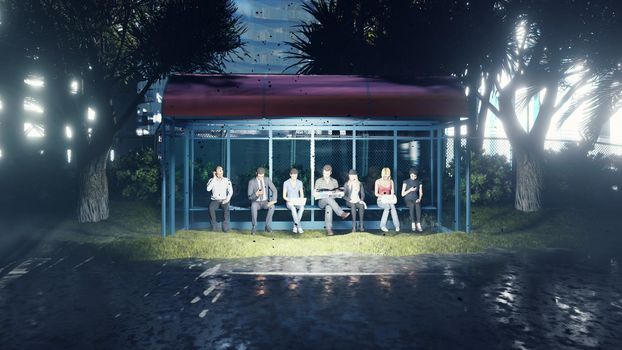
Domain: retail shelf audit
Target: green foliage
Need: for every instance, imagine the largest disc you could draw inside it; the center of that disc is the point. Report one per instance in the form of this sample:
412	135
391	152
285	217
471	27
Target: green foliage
491	179
571	176
136	175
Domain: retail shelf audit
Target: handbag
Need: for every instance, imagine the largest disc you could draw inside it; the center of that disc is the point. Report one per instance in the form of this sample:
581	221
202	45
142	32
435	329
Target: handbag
388	199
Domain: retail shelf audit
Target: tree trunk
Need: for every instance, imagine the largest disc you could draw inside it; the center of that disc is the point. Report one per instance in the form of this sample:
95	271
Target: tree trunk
93	197
529	181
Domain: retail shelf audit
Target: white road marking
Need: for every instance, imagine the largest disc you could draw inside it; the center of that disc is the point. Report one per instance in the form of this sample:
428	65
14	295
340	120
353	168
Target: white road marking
203	313
7	265
209	271
21	270
209	290
84	262
195	300
286	273
216	297
54	264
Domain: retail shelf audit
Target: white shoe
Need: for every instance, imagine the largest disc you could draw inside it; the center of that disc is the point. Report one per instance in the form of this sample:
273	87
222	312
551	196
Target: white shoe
384	229
397	229
419	227
413	227
295	229
300	230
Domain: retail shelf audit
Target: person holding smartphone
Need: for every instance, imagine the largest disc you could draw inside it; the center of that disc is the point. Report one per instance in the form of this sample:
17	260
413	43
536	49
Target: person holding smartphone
222	191
263	195
412	191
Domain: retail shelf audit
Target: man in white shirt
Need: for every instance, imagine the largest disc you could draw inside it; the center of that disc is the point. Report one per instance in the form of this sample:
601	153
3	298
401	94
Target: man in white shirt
222	191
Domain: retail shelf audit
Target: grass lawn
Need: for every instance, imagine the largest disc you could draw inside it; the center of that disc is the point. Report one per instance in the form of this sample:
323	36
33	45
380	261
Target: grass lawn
133	232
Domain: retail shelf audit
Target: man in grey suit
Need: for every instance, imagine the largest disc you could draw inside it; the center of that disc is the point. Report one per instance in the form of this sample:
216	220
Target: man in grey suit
263	195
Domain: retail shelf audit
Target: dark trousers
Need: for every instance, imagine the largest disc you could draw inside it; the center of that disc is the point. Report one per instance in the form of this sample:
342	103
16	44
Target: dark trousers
413	207
361	210
256	206
215	203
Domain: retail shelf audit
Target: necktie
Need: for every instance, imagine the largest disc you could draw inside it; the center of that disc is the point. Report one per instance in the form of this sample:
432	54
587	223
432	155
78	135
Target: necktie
263	194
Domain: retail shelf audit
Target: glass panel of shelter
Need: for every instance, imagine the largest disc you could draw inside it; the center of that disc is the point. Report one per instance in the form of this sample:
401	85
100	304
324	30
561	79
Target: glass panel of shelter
241	149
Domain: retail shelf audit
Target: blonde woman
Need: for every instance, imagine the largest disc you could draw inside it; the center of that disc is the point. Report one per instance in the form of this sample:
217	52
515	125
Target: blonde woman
354	195
384	189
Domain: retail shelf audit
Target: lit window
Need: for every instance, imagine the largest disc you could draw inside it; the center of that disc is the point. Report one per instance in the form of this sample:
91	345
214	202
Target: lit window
34	130
68	156
1	105
0	152
157	118
142	132
68	132
31	105
158	97
90	114
34	81
112	155
73	87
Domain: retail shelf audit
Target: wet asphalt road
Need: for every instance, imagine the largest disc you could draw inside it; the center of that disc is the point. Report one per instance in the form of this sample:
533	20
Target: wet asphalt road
72	297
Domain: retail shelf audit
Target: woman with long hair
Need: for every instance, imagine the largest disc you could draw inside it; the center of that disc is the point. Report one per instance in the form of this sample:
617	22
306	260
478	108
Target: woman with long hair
384	189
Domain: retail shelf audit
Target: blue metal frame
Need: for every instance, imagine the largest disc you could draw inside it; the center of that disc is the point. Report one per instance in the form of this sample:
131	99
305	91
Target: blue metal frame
436	132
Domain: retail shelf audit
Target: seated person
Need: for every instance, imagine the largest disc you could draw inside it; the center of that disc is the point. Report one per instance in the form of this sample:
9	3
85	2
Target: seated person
222	191
385	192
292	189
328	203
412	191
263	195
354	195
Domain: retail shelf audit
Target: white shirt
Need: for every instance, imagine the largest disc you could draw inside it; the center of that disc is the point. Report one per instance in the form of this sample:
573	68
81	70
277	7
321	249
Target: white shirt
221	189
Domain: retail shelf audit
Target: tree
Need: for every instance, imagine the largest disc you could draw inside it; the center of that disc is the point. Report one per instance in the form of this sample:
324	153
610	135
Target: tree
106	46
515	50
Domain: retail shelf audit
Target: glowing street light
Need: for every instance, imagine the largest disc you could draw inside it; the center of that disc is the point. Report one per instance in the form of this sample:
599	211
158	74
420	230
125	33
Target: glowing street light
68	132
69	156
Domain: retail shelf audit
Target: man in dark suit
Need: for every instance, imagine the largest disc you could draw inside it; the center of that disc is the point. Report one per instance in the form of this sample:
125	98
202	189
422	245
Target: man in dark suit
263	195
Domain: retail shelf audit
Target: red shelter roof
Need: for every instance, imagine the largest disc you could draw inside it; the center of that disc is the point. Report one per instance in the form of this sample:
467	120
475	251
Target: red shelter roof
277	96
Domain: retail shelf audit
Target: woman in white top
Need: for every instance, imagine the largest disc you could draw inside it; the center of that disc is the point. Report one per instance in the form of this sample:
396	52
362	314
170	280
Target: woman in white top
354	195
384	189
292	188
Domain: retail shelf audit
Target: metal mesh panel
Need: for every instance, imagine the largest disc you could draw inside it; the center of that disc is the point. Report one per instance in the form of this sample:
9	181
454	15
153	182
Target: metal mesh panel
415	154
337	153
246	157
208	153
371	157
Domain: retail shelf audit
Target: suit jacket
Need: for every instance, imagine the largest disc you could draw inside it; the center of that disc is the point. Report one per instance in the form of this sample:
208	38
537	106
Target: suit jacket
269	189
347	193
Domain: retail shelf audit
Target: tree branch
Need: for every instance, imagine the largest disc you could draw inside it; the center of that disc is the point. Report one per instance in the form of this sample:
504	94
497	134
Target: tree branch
131	108
569	94
489	105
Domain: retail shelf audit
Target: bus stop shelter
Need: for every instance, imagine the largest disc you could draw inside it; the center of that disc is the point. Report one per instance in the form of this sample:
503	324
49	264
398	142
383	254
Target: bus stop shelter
278	121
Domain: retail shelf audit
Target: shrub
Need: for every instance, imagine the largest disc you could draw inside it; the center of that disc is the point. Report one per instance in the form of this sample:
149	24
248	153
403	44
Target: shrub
572	176
136	175
491	179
